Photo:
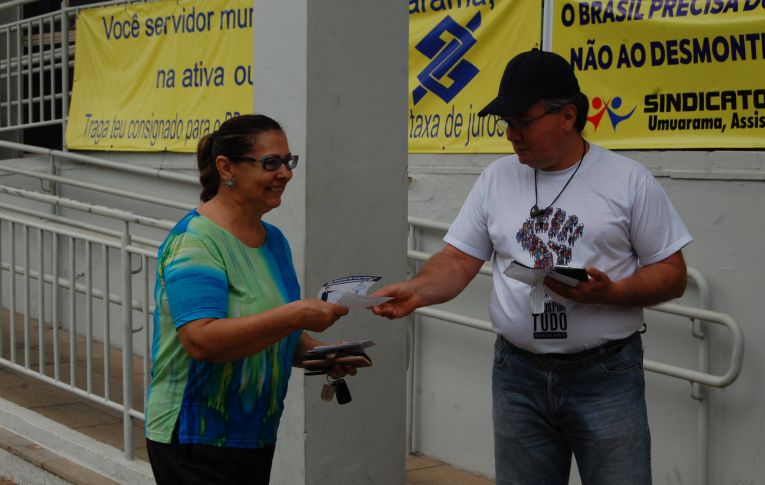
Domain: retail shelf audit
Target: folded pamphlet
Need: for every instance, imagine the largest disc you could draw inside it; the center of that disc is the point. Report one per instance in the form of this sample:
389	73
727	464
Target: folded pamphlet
534	277
351	291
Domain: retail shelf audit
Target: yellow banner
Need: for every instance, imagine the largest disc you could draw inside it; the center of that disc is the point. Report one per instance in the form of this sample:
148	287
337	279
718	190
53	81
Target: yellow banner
668	74
157	76
458	50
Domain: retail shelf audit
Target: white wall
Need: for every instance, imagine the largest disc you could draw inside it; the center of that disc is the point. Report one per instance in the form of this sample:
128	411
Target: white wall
720	197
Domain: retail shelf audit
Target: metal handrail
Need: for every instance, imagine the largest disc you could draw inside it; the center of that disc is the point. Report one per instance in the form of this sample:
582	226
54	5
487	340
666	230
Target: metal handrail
15	3
96	187
696	314
64	231
428	224
737	347
56	52
127	249
74	223
737	352
422	256
100	162
122	240
118	214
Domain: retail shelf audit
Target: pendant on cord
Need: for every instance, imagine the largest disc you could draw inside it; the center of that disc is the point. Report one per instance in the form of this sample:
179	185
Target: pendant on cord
536	212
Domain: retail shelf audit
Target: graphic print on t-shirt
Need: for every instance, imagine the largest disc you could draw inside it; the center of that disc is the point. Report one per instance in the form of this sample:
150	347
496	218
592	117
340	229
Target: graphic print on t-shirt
550	239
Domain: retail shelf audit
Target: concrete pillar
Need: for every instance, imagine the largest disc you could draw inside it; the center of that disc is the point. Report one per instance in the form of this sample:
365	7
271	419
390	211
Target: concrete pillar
334	73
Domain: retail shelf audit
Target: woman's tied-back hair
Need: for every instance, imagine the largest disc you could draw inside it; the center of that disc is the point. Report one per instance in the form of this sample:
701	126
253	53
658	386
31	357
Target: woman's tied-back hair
236	137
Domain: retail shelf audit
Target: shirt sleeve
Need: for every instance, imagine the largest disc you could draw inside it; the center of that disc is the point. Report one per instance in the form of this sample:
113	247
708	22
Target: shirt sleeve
469	232
195	281
656	231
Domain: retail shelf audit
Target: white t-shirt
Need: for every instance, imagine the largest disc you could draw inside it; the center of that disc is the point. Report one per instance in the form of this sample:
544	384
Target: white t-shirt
613	215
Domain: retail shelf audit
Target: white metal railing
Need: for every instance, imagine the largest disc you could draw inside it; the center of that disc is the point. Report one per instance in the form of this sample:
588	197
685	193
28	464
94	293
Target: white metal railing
117	214
690	375
35	66
696	315
55	155
34	91
34	72
31	245
15	3
94	187
699	318
45	266
71	223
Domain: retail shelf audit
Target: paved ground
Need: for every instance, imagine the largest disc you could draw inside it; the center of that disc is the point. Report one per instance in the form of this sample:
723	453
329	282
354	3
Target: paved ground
421	470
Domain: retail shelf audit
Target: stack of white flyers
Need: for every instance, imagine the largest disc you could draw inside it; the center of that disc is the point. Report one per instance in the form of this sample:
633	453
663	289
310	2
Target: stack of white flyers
534	277
347	347
568	275
351	291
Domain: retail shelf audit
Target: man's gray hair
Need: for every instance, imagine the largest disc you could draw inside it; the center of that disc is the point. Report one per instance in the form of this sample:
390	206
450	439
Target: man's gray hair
579	100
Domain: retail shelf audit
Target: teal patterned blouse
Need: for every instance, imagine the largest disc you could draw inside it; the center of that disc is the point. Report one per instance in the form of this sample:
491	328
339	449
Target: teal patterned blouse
204	271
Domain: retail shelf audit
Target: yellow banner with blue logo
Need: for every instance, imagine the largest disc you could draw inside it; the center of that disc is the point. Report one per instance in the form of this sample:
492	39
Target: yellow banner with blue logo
458	50
156	76
666	74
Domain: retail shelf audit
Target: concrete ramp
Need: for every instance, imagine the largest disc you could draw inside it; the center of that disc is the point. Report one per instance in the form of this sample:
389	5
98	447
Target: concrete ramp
35	449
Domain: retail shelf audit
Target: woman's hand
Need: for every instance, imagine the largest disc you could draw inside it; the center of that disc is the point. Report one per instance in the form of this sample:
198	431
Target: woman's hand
218	340
316	315
307	342
339	371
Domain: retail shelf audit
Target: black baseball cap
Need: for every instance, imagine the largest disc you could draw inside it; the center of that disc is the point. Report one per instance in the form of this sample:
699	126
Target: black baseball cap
529	77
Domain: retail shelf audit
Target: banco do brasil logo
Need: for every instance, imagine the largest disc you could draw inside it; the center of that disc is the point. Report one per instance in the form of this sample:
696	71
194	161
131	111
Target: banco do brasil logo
611	107
446	59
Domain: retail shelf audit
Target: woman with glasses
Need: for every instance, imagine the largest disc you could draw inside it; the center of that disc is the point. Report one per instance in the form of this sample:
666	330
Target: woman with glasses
229	320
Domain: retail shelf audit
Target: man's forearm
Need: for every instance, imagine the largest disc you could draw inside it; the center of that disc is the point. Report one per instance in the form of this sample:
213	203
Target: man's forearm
445	275
651	285
441	278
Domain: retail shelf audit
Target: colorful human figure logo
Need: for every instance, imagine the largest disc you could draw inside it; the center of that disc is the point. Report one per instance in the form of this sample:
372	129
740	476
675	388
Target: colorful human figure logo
602	107
562	231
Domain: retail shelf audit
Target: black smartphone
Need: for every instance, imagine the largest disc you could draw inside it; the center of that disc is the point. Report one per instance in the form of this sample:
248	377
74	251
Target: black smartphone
576	272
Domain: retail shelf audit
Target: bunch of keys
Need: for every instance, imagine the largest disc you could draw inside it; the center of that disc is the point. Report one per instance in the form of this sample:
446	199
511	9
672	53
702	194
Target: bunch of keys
336	388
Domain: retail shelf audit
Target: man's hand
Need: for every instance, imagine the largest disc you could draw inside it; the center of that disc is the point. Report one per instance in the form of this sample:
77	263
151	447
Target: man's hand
443	276
595	290
403	303
650	285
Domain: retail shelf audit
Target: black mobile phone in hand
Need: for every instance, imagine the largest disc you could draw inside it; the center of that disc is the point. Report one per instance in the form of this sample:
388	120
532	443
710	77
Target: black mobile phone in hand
576	272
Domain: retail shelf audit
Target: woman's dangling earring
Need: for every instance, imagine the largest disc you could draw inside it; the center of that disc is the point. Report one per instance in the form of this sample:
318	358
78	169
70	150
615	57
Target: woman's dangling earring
230	183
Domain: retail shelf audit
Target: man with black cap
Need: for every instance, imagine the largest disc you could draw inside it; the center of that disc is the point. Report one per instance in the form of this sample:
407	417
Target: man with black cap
567	376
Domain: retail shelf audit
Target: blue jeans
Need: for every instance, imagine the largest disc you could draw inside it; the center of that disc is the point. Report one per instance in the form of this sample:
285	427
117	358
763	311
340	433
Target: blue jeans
542	414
